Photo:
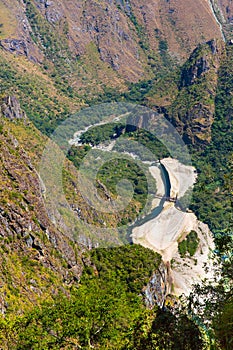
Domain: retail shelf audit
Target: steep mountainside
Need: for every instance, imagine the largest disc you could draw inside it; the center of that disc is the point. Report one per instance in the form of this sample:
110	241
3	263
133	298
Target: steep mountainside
192	111
43	266
59	289
129	37
37	260
87	51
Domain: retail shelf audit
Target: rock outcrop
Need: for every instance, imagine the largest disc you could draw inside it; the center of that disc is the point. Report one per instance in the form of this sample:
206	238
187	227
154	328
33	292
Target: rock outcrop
159	287
192	111
15	46
11	109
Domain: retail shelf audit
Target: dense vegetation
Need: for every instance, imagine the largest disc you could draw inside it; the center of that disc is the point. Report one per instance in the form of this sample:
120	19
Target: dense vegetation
189	244
106	311
212	199
213	203
45	109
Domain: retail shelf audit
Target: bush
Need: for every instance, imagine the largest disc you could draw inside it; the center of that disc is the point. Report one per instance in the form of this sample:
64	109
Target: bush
189	244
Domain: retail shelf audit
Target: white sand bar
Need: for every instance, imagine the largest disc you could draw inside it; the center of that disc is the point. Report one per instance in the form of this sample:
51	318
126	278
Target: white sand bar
172	225
182	177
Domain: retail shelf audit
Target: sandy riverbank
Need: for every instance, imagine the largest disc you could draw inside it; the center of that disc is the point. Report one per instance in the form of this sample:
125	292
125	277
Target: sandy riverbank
172	225
182	177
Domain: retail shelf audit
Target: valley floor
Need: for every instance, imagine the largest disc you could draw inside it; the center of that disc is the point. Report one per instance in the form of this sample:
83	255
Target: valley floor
163	233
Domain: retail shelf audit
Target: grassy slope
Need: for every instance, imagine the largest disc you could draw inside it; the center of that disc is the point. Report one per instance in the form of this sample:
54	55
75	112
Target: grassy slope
26	275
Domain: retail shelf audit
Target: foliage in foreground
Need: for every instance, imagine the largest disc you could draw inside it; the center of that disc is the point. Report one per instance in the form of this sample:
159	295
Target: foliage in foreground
106	311
212	303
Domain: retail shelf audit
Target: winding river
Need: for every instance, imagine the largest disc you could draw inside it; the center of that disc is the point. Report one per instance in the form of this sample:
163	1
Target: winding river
166	224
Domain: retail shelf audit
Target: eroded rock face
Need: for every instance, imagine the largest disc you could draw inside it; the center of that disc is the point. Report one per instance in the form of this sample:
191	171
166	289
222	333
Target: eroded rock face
18	40
52	10
158	288
192	112
11	109
15	46
200	62
194	72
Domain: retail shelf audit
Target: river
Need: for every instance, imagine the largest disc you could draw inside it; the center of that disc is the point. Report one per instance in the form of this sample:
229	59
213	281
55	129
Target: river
166	224
158	209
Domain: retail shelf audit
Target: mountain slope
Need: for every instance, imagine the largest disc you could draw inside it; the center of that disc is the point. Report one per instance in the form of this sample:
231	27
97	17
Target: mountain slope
192	111
37	260
60	56
125	35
